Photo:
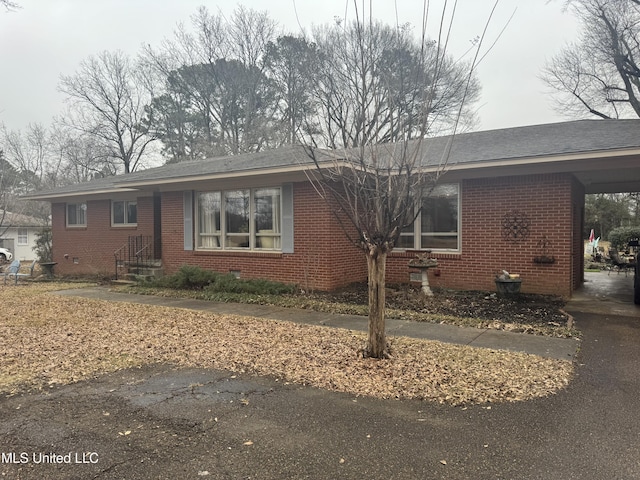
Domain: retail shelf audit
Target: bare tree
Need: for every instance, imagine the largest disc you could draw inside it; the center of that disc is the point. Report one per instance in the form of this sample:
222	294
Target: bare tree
29	153
9	5
376	187
29	165
78	157
107	100
8	179
600	74
216	97
392	83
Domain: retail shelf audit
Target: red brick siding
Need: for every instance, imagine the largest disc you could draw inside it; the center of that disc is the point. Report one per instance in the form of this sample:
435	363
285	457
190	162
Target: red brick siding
323	259
547	201
93	245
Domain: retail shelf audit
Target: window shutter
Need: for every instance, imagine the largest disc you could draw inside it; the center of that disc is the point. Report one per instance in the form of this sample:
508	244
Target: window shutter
287	218
188	219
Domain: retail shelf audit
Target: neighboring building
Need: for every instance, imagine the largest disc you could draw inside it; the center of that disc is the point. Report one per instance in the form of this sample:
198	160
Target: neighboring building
510	199
18	233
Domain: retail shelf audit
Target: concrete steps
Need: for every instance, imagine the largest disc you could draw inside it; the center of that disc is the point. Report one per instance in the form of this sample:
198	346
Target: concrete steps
138	273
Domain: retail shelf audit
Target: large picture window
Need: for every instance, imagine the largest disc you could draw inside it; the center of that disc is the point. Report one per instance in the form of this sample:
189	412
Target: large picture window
248	219
124	213
76	214
437	225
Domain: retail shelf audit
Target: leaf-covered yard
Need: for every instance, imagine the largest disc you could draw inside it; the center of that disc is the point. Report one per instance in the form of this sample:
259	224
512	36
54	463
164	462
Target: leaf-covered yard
47	340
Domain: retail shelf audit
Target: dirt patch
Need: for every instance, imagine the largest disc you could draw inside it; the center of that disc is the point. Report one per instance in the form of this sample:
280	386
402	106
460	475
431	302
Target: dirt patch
527	313
526	308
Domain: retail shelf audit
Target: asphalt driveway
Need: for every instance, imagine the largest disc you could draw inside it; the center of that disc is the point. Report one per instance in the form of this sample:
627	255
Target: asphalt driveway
158	422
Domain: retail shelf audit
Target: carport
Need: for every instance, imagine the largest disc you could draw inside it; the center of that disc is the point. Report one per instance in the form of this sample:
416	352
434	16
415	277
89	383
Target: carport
605	294
609	293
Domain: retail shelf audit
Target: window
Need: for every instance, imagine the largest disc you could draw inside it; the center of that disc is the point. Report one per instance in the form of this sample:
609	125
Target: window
239	219
236	210
267	217
124	213
77	215
23	236
209	220
437	225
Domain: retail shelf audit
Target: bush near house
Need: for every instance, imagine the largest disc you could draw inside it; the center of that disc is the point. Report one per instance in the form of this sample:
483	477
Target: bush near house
195	278
43	247
619	237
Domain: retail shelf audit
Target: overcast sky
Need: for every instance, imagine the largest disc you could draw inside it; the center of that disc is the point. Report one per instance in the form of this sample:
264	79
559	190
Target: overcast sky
47	38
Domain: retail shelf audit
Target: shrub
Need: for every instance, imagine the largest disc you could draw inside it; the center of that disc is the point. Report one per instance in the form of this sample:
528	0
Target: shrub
619	237
230	284
43	248
187	278
196	278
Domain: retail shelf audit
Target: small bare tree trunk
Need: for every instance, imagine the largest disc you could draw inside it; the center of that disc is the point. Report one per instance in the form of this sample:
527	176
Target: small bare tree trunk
377	342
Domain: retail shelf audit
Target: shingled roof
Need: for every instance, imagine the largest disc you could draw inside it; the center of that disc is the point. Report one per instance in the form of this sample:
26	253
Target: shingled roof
468	150
535	141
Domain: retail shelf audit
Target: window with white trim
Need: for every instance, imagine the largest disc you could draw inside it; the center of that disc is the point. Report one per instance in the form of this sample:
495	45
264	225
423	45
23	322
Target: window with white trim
437	226
124	213
246	219
76	214
23	236
267	217
209	229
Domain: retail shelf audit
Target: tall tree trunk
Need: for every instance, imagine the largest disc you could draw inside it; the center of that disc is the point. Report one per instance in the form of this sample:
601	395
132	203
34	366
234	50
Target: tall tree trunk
377	342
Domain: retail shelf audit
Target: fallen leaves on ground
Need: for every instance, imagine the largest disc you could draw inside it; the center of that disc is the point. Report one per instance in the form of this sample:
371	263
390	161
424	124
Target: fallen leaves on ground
527	313
47	339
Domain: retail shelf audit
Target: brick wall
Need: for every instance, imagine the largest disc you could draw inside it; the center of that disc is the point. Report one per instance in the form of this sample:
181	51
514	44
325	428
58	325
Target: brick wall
89	250
549	202
323	259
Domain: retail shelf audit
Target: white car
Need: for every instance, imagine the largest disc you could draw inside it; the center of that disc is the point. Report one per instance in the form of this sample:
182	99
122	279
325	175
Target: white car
5	255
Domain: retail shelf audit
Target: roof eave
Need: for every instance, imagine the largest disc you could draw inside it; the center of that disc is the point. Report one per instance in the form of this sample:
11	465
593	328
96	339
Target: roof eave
133	184
545	159
49	196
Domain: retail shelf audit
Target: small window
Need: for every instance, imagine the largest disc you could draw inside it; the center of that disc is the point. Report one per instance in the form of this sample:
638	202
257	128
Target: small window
439	219
76	214
437	225
124	213
23	236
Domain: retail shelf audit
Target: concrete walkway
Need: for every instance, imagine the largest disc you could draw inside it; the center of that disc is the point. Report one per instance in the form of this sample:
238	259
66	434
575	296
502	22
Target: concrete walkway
605	293
558	348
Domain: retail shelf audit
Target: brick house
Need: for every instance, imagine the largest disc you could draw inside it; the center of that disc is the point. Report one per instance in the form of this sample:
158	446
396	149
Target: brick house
509	199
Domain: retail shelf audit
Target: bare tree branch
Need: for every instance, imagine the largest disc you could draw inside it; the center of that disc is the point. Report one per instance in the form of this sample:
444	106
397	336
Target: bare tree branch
9	5
382	94
107	101
600	74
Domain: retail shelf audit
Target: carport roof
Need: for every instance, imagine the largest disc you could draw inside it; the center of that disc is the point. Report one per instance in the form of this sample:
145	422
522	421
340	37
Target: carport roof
531	142
519	146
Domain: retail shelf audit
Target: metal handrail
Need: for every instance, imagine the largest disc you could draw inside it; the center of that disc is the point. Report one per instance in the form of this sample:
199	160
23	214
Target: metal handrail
139	255
139	249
